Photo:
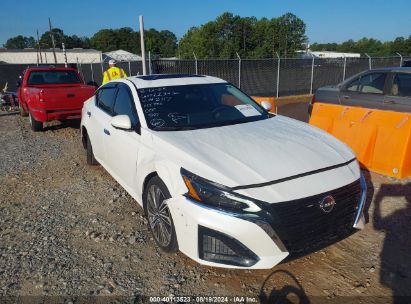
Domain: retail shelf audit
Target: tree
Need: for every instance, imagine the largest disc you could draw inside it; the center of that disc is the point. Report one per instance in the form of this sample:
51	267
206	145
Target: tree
45	39
159	43
370	46
20	42
249	37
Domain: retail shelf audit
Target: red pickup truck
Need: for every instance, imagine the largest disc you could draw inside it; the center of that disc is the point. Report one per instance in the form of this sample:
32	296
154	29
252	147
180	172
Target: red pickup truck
50	93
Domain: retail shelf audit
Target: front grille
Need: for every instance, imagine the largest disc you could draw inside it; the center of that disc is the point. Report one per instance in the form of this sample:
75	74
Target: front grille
304	227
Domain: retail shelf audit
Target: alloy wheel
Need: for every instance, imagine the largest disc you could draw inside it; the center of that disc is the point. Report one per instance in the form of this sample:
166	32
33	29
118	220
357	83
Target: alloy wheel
159	216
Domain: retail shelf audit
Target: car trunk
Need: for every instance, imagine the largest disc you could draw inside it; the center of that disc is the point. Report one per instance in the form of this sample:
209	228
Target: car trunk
64	97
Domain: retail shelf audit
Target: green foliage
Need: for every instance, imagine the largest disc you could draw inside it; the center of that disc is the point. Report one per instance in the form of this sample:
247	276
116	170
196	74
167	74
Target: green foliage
249	37
20	42
223	37
163	42
370	46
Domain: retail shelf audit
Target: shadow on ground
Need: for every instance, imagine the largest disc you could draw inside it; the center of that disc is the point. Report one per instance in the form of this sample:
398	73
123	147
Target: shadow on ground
396	251
75	124
281	286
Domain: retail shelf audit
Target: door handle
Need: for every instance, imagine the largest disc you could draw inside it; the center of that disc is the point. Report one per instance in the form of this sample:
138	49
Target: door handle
88	113
107	131
346	97
71	95
390	101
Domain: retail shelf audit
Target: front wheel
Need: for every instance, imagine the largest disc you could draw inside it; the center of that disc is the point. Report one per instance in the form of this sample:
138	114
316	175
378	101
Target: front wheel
159	217
36	126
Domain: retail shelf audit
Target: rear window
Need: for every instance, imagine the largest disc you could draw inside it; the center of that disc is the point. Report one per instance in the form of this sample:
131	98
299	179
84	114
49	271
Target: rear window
53	77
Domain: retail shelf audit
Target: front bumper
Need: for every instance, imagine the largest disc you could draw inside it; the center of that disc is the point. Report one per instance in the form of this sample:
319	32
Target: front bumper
289	228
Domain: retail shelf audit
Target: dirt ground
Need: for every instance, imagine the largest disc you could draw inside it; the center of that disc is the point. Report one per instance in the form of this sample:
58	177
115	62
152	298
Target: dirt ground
70	233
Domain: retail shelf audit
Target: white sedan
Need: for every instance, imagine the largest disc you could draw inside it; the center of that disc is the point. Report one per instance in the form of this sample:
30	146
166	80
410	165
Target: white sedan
220	178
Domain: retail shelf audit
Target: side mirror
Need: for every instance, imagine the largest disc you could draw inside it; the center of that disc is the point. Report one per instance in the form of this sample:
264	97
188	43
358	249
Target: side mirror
266	105
121	122
18	83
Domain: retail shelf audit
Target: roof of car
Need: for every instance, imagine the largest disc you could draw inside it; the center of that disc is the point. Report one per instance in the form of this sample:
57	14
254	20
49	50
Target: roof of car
394	69
49	68
163	80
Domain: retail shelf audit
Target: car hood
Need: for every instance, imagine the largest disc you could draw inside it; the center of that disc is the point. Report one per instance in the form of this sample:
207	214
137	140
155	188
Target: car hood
250	153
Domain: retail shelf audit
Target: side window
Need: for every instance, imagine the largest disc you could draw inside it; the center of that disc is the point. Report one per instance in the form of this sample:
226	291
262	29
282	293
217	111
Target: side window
372	83
105	99
125	105
401	85
353	86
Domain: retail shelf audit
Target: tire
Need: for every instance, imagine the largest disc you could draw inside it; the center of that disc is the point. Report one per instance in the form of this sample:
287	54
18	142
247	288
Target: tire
159	216
36	126
91	161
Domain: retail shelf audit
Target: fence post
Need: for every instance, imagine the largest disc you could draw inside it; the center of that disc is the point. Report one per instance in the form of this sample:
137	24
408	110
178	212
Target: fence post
143	49
239	70
345	67
400	59
149	63
312	74
196	63
101	63
65	54
92	71
278	74
369	61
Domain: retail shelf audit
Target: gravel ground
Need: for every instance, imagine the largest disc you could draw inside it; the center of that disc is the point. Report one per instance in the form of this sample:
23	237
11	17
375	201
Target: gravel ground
71	231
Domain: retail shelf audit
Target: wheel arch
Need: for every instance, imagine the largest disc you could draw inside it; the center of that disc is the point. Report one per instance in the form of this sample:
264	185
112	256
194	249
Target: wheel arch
84	136
146	180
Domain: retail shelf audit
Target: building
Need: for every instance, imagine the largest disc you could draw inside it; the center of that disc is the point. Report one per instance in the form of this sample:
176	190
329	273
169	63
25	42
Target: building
121	55
31	56
326	54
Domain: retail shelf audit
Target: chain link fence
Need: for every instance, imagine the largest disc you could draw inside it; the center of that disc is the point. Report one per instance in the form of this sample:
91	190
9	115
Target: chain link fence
258	77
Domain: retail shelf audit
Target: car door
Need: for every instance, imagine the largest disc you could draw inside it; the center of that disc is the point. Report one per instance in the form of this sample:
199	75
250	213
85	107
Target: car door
398	97
99	118
366	90
122	146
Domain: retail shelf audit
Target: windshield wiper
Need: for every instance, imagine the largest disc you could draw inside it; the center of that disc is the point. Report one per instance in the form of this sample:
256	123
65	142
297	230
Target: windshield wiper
182	128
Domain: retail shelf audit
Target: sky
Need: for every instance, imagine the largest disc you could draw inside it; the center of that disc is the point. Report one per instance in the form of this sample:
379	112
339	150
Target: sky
327	21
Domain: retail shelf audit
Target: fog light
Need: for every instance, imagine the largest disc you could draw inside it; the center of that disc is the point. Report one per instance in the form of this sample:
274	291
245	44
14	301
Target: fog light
220	248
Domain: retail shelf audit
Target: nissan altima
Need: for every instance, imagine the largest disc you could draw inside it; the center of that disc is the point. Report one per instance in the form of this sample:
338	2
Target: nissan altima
219	177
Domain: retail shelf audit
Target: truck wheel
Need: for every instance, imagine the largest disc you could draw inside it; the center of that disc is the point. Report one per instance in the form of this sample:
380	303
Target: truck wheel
159	217
90	155
36	126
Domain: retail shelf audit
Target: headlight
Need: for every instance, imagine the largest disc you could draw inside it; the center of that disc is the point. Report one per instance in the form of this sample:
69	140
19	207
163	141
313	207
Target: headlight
217	196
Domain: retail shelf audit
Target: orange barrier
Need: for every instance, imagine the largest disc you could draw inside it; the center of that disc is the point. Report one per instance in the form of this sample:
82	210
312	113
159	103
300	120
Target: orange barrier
269	99
381	139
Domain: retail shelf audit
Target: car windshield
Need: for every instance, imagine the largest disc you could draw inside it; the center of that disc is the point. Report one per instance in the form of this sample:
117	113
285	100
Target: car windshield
53	77
197	106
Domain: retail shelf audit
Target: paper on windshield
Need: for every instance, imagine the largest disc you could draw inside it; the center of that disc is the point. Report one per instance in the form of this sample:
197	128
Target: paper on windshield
247	110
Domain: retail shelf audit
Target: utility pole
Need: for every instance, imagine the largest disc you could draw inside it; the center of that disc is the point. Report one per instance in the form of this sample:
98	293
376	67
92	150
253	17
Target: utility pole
53	43
39	48
143	49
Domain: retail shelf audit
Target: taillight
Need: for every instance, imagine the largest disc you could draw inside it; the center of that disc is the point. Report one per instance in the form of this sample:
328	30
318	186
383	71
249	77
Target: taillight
41	96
